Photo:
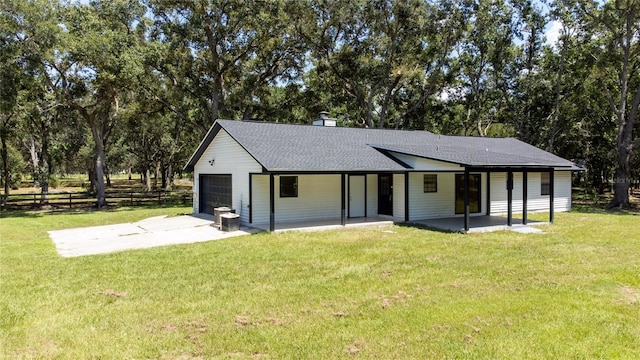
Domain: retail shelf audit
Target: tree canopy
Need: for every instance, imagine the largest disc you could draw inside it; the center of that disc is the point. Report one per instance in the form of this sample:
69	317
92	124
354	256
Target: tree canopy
104	86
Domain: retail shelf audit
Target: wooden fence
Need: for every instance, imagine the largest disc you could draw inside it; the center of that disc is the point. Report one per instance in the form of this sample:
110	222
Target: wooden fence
82	199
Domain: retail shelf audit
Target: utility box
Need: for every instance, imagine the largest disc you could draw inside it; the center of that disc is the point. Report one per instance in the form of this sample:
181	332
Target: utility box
217	212
230	222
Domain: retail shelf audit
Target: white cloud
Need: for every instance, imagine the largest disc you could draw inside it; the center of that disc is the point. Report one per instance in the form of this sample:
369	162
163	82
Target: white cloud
553	32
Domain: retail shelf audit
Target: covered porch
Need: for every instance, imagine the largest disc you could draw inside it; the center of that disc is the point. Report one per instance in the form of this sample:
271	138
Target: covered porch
487	222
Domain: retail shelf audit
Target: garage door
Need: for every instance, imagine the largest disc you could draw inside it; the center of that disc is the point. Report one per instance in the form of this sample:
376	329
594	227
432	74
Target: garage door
215	191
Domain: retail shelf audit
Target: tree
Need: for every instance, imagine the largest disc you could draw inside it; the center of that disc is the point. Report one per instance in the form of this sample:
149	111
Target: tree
616	27
488	66
223	55
99	61
10	79
373	54
29	33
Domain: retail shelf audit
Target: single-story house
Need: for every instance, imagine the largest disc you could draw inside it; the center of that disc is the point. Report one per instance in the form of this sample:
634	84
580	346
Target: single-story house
273	173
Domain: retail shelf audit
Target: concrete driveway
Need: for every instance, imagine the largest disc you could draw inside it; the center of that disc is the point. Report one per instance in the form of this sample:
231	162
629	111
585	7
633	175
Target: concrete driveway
151	232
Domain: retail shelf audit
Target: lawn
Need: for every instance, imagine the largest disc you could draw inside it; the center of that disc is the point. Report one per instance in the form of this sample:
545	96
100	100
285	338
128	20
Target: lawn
391	292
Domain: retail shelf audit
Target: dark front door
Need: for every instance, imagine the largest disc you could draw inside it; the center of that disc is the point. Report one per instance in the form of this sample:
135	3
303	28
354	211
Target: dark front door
215	191
385	194
474	193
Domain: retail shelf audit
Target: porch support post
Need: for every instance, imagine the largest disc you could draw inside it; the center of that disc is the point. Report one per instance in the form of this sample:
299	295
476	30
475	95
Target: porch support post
343	221
250	198
406	197
551	194
488	193
272	204
524	197
466	199
509	198
365	194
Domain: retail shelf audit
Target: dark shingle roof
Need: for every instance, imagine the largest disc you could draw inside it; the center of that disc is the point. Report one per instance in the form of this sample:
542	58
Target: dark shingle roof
286	147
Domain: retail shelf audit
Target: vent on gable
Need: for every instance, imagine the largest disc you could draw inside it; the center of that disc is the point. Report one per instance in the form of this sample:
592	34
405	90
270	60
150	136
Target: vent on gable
325	120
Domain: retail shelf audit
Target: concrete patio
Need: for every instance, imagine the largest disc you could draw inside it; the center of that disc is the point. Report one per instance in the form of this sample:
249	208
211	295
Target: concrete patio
329	224
147	233
480	224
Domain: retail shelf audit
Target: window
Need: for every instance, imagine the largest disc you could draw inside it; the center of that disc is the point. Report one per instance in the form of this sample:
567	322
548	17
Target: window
430	183
545	183
288	186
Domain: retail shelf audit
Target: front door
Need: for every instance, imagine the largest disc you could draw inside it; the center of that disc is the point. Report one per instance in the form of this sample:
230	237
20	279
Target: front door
356	196
385	194
474	193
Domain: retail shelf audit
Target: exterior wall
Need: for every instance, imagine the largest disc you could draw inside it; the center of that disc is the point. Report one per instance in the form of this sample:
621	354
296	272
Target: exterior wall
372	194
318	198
398	197
230	158
535	201
441	203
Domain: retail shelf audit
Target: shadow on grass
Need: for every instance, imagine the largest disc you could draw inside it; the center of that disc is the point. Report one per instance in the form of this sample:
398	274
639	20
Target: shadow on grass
7	213
430	228
593	203
600	209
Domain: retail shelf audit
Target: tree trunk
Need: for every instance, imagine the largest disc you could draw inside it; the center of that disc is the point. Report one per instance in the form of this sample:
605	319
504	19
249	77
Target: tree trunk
156	172
101	200
43	172
35	161
92	180
558	99
163	176
621	180
5	165
169	172
147	180
107	174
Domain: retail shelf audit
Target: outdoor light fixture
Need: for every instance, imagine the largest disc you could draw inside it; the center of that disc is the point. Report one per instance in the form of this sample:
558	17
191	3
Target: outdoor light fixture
212	161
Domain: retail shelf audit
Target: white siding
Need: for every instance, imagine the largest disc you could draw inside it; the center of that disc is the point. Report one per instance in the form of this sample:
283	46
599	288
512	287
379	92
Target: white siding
418	163
441	203
230	158
535	201
318	199
372	194
260	199
398	197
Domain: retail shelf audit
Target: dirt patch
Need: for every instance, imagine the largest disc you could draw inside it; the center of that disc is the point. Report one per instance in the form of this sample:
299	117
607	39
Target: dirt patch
243	321
169	327
111	292
400	298
275	321
629	295
355	348
195	325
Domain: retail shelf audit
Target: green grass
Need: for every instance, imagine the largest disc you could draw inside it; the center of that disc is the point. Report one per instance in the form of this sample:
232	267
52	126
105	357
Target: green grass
393	292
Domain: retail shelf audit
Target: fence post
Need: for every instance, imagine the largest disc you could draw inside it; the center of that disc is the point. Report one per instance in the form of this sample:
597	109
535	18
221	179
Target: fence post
159	201
34	199
131	195
69	200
